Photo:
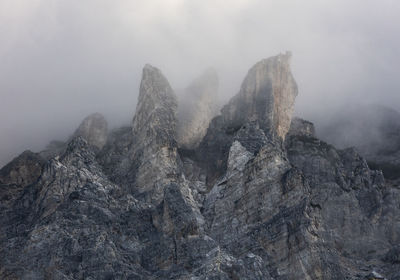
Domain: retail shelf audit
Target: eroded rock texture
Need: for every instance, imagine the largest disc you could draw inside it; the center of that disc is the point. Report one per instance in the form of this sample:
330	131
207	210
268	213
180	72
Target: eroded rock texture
264	103
267	95
142	208
302	127
154	147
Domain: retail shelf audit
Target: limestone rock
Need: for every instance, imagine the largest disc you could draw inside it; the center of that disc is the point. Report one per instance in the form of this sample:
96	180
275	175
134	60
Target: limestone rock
267	95
197	107
238	157
302	127
265	103
94	130
252	207
154	148
155	117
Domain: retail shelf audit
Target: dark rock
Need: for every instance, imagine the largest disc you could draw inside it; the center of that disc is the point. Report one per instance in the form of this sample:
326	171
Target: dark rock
23	170
302	127
265	102
250	202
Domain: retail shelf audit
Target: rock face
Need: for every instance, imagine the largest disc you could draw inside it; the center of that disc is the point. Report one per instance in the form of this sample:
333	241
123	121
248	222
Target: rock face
265	103
141	208
94	130
155	118
267	95
154	148
197	108
23	170
300	127
20	173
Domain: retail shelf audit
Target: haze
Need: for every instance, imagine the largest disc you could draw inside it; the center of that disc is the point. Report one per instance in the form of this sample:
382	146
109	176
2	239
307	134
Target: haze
62	60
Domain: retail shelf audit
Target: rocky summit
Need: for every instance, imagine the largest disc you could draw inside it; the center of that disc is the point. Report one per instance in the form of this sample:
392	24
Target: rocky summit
251	193
94	130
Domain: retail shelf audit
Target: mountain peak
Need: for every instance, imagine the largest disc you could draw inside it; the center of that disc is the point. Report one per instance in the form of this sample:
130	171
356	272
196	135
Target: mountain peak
94	130
156	107
267	95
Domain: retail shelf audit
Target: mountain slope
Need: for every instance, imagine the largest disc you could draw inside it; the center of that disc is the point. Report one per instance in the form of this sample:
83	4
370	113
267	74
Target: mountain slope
259	198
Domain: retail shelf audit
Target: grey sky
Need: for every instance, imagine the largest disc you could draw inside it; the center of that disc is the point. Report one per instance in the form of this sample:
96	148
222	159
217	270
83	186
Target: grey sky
61	60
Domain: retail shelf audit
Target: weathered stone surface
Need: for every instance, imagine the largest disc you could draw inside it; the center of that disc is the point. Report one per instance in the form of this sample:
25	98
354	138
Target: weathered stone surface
197	107
265	102
350	201
94	130
23	170
155	117
140	208
301	127
20	173
154	147
267	95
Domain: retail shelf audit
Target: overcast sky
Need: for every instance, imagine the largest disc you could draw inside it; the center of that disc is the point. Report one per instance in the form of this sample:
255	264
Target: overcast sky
61	60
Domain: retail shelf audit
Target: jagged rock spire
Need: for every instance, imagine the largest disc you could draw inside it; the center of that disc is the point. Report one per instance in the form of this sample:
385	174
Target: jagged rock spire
155	116
154	150
263	108
94	130
196	108
267	95
294	210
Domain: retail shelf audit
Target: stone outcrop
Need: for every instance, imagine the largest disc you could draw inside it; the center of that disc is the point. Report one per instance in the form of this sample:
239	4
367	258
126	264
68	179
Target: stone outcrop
155	117
197	107
265	102
301	127
94	130
350	204
16	176
154	148
267	95
23	170
141	208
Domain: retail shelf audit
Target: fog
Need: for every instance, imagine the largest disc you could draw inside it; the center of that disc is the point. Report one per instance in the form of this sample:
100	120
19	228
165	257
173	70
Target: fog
62	60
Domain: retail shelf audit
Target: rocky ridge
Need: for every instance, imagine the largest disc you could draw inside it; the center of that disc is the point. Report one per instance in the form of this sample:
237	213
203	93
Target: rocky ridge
374	130
260	197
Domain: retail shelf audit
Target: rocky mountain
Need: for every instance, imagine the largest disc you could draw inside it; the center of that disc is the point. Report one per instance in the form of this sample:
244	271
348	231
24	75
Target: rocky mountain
266	96
259	197
262	109
94	130
374	130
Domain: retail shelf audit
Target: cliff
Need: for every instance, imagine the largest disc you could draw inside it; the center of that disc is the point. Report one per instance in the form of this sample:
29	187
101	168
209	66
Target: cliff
260	197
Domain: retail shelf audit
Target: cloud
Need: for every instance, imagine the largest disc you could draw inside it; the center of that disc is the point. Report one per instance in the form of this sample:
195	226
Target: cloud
61	60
